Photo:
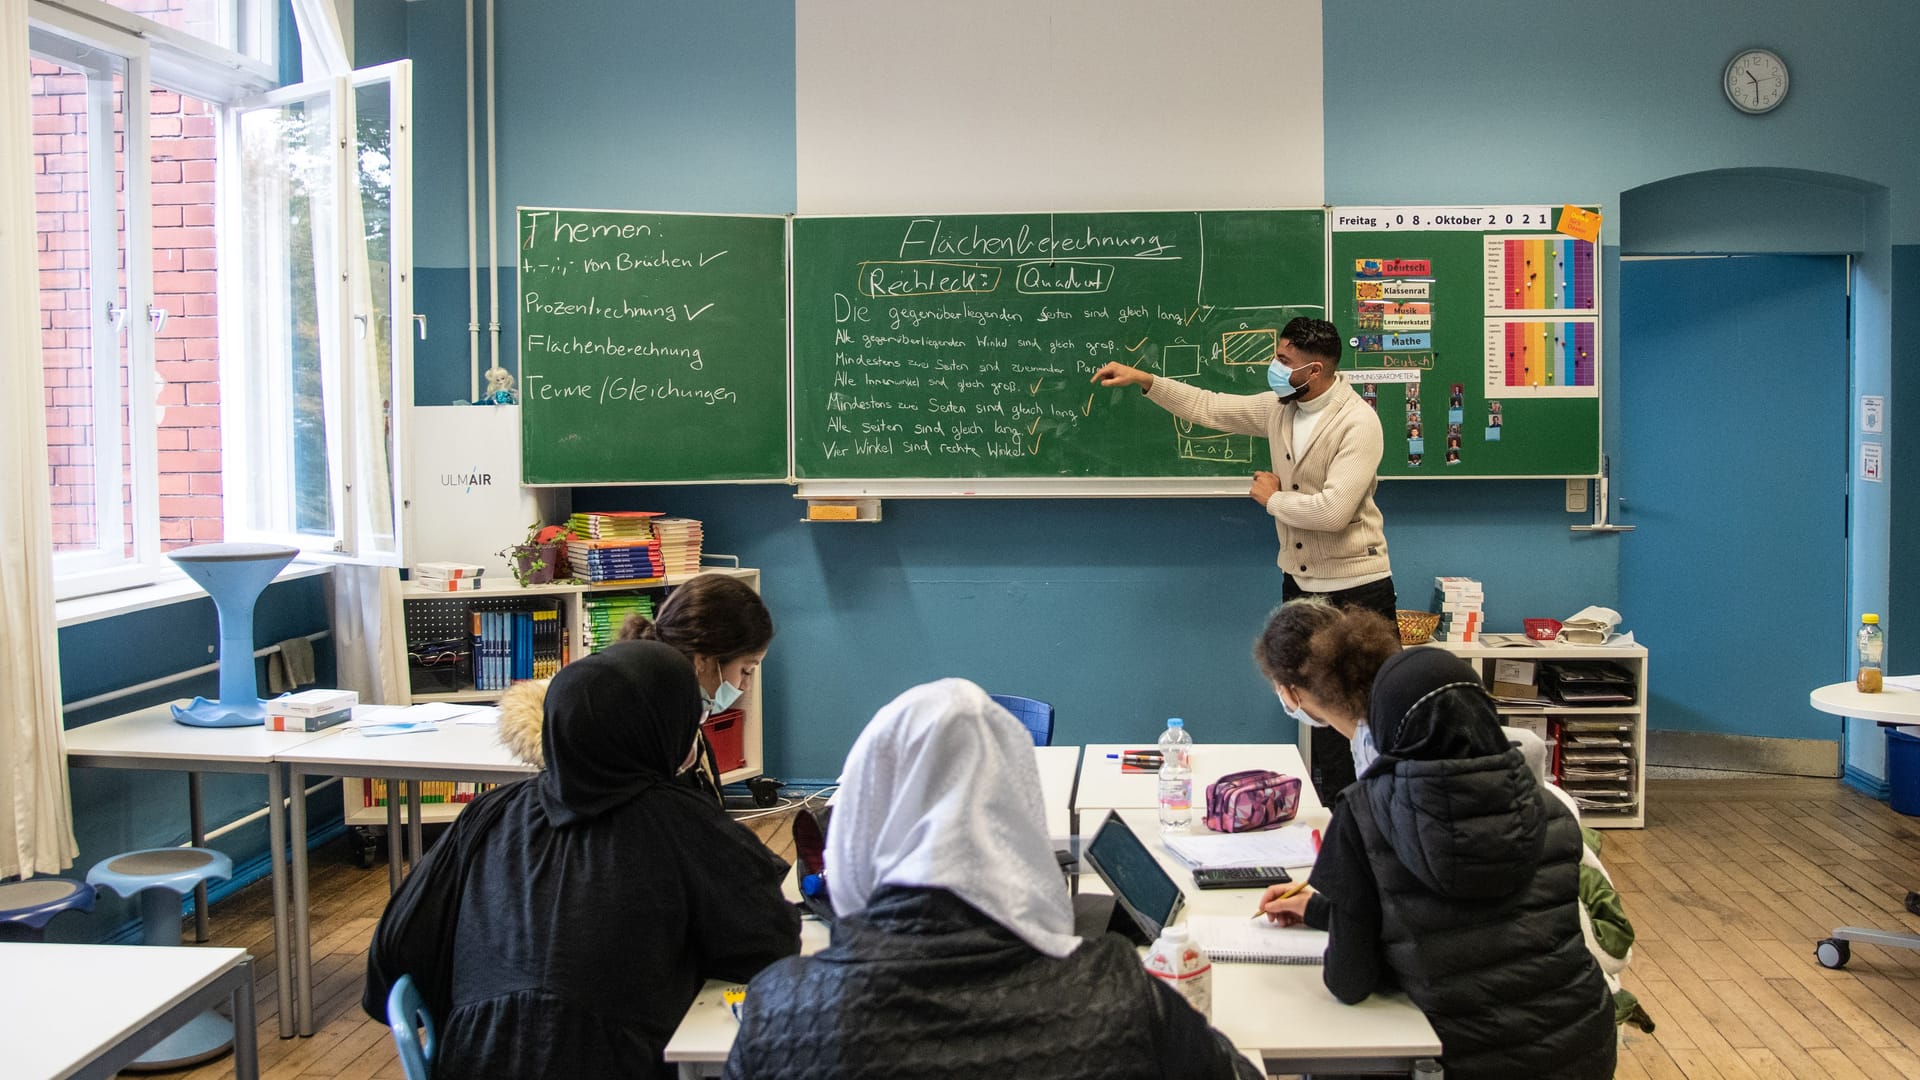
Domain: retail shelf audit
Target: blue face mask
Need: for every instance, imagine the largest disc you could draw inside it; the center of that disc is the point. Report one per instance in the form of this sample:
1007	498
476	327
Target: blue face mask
1281	379
1363	752
1298	713
723	697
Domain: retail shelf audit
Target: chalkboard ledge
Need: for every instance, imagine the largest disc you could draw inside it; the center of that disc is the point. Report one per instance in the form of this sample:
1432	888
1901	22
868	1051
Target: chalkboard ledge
1083	487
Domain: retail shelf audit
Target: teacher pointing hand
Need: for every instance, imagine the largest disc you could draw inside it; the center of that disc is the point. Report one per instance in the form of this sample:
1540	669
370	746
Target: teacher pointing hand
1326	445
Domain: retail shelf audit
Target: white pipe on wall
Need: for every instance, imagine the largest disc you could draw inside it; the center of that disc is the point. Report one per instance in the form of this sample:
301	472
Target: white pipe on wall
493	213
473	251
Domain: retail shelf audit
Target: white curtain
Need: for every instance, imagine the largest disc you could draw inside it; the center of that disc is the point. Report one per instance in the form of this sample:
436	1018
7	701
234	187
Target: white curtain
369	631
36	832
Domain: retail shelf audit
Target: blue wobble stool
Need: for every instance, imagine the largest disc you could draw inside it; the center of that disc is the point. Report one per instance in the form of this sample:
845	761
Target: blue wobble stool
160	877
412	1028
27	906
1036	715
234	575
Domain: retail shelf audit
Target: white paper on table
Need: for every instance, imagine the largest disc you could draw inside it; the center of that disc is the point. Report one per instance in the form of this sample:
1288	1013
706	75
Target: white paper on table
1902	682
485	716
1290	845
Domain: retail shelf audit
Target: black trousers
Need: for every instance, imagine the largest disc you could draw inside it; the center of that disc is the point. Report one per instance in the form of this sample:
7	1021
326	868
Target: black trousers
1332	757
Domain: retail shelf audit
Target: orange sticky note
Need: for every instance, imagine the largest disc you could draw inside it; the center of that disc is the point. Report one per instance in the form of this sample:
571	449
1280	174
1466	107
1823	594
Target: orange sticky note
1580	223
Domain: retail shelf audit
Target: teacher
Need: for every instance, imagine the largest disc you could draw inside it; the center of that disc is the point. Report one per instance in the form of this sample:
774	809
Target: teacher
1326	445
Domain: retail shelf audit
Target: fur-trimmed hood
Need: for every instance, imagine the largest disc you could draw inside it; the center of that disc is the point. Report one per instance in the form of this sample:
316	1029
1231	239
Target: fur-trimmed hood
523	710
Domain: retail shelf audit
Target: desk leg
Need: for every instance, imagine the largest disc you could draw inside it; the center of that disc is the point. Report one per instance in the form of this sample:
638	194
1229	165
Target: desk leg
394	855
415	828
246	1048
302	932
277	834
197	826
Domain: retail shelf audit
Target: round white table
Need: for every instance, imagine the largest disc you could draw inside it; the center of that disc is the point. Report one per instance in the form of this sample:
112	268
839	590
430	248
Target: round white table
1891	707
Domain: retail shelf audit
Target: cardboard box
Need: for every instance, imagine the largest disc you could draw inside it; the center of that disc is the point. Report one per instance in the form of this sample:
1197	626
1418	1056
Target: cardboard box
313	702
285	722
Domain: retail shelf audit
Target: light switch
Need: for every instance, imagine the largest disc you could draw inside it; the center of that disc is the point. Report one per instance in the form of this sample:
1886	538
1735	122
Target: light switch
1576	496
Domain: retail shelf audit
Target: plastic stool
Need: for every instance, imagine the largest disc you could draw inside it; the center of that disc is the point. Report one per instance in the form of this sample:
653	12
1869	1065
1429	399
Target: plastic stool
27	906
161	876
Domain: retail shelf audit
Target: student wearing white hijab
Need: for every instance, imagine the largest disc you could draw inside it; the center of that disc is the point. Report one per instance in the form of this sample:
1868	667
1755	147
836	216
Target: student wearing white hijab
954	954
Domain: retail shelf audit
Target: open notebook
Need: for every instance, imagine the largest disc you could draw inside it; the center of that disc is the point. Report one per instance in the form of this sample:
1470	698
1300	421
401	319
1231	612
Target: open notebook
1234	940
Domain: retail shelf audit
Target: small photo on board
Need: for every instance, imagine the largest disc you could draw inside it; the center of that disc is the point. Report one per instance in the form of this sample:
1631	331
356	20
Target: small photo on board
1455	395
1413	461
1494	421
1413	411
1453	442
1453	457
1493	407
1453	431
1413	431
1369	395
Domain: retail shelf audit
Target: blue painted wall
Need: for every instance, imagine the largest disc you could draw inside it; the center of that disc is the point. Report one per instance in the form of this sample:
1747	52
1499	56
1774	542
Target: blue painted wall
1903	618
116	810
675	106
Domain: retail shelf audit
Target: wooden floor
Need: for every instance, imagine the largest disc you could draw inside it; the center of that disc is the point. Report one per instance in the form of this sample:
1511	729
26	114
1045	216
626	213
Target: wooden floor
1729	886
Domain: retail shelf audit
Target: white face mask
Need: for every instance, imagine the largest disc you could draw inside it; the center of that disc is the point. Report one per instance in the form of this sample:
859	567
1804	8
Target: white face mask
1363	752
723	697
1296	712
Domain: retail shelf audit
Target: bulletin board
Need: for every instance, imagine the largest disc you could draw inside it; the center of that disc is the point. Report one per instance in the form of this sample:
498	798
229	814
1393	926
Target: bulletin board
1474	332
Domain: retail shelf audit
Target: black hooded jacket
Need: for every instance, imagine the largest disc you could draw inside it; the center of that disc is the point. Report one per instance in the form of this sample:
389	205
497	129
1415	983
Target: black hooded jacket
563	925
1449	874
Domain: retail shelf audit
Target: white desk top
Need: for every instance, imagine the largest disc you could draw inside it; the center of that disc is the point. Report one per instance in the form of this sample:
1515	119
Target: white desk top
706	1033
61	1005
1284	1011
1890	706
1103	786
467	749
1059	765
153	735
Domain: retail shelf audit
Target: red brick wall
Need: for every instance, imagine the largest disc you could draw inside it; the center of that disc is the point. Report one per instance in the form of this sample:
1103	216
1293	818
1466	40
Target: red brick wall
186	352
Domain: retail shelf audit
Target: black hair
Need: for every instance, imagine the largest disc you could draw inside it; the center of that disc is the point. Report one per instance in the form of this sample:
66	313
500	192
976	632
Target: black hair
1315	337
1332	652
713	615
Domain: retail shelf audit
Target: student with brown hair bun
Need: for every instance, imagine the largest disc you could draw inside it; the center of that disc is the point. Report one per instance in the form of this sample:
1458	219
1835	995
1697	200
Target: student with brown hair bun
720	624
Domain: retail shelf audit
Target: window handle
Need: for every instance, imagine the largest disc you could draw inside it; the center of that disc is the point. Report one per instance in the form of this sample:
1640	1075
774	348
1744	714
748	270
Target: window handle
117	315
360	327
158	317
420	323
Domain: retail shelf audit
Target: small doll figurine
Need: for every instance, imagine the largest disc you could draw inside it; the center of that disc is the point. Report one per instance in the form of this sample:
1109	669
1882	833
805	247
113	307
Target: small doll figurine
499	387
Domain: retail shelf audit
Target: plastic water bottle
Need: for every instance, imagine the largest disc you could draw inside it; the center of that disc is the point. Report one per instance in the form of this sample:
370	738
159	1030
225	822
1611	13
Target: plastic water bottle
1873	644
1176	775
1183	965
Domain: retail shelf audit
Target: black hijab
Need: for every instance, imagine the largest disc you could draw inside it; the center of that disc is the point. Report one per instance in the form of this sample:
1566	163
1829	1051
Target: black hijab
617	722
1429	705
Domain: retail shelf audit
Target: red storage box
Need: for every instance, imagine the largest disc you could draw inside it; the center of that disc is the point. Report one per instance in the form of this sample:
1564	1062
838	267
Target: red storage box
727	734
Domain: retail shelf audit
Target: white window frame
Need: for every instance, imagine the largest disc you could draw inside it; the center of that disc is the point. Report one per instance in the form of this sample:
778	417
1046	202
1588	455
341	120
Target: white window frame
157	54
343	325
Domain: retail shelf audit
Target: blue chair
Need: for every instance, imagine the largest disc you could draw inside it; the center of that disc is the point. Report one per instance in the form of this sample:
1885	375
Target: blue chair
1036	715
408	1017
27	906
160	877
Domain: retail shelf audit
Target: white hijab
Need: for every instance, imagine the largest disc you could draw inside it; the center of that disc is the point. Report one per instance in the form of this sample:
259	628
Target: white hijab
941	791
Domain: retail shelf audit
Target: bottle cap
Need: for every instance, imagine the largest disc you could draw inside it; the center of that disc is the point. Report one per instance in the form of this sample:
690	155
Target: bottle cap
1869	618
1174	721
1177	933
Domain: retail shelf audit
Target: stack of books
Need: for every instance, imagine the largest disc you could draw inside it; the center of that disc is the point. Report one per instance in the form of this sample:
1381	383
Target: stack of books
612	525
616	562
680	540
606	614
310	710
446	576
1460	602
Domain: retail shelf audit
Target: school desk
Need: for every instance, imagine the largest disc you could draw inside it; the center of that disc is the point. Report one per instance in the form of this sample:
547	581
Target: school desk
150	739
1059	768
1894	706
447	751
87	1010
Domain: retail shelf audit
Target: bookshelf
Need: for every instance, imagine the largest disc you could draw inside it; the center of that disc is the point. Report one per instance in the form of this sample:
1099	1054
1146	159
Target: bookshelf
1605	803
437	615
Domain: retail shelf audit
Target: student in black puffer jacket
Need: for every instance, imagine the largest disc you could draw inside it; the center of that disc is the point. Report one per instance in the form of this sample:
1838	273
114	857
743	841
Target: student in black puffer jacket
954	954
1447	874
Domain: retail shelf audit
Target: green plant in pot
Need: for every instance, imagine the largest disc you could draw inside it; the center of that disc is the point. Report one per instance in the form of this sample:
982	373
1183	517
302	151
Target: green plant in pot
540	558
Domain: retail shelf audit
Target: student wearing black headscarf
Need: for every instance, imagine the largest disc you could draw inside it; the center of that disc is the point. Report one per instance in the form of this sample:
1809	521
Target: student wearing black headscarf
1447	874
564	924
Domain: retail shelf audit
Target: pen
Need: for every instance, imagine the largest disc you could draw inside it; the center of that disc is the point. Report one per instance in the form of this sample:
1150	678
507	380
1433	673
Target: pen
1316	841
1288	895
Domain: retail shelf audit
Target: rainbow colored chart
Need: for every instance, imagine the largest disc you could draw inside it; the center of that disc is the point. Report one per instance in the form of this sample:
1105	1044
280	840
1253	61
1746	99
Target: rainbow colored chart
1539	273
1541	358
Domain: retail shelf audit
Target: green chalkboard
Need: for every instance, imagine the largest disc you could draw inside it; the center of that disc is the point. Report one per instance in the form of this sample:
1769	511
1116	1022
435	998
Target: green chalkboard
653	347
961	346
1493	315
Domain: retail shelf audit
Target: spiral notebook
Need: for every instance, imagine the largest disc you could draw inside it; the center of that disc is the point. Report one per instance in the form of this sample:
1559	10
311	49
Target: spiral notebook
1233	940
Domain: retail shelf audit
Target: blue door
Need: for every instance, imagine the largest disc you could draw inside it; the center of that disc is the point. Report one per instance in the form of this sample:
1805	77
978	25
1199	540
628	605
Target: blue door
1733	465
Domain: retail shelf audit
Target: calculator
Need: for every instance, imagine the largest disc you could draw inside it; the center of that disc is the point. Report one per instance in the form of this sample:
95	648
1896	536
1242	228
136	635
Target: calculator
1241	877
